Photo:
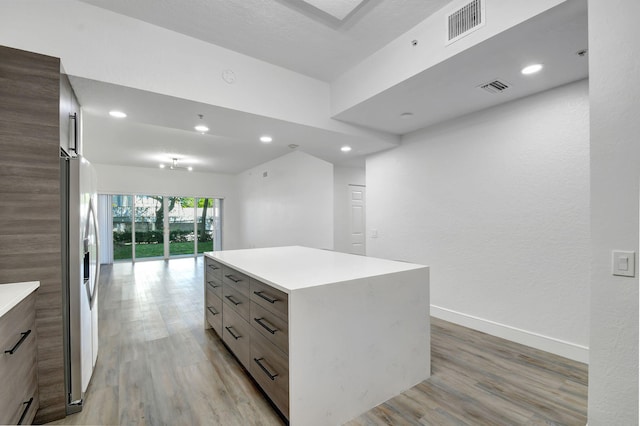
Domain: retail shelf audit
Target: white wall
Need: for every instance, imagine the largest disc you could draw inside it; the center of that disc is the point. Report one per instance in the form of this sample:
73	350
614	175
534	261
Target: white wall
292	205
497	203
615	174
342	178
136	180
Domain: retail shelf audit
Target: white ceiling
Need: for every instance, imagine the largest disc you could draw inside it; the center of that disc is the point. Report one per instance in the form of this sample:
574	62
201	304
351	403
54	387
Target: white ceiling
450	89
159	128
298	35
290	33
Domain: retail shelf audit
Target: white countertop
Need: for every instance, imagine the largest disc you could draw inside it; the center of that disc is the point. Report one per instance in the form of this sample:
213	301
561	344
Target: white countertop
12	294
293	268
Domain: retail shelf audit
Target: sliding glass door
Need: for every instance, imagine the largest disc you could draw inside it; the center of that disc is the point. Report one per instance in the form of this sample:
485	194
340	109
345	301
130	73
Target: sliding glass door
157	226
181	226
149	226
208	224
122	214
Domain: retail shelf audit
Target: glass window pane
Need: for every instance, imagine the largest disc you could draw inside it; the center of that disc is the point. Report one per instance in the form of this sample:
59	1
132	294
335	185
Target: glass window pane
206	223
217	225
181	233
122	208
149	226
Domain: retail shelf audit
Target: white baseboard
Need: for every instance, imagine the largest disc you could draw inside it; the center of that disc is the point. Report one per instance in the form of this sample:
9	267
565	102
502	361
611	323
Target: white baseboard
545	343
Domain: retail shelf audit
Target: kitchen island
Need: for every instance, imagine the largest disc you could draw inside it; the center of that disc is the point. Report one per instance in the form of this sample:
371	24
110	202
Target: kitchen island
326	335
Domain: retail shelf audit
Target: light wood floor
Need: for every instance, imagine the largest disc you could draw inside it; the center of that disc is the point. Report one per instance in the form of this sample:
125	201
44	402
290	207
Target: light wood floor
157	365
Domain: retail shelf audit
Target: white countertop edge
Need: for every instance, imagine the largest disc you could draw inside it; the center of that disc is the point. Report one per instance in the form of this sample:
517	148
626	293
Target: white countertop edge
400	266
14	293
209	254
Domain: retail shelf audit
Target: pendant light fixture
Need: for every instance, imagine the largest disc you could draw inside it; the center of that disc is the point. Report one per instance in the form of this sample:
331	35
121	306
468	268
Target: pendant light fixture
174	166
202	128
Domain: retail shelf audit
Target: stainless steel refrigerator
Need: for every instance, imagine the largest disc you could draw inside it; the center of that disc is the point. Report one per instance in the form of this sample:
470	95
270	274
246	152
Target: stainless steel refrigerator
80	273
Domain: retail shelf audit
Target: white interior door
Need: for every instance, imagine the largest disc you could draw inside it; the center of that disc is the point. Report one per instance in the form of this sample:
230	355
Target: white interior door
357	200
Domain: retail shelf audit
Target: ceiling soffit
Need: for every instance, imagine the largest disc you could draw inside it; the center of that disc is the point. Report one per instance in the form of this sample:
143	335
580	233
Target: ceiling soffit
335	14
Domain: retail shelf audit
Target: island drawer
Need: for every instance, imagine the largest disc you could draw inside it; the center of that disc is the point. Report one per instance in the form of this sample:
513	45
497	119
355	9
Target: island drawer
272	327
235	334
270	368
213	269
236	301
214	285
214	311
270	298
237	280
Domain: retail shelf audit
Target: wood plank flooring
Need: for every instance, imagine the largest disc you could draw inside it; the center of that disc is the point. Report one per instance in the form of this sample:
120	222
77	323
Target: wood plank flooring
157	365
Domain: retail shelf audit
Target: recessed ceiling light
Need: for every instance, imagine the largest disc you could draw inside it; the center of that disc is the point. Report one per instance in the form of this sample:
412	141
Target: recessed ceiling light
190	168
266	139
406	115
162	166
117	114
345	148
201	128
531	69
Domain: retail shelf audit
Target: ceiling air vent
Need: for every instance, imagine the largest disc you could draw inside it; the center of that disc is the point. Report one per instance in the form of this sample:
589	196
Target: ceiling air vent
465	20
495	86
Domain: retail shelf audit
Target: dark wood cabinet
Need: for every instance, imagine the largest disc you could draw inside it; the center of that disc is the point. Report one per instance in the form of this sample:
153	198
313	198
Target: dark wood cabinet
251	318
18	366
69	118
30	222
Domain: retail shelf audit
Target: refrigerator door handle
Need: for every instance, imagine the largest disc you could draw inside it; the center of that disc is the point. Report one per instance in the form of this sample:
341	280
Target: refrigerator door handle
92	288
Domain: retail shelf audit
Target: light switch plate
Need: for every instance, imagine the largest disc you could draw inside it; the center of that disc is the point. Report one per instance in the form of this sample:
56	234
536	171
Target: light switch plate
623	263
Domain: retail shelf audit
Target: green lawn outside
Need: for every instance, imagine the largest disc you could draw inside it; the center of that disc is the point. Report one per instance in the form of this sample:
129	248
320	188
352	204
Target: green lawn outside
122	251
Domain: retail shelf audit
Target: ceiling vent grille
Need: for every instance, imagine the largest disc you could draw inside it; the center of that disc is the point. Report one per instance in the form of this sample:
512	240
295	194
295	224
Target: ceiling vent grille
495	86
465	20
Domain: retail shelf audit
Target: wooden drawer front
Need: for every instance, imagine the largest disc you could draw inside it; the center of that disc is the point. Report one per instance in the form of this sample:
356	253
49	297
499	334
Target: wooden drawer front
18	373
28	408
213	269
270	298
214	311
235	334
270	368
236	301
236	280
28	403
272	327
213	284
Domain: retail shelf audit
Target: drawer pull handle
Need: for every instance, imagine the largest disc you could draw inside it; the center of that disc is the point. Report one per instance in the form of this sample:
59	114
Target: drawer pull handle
234	335
264	325
267	298
211	284
213	311
263	368
17	345
232	300
213	267
26	410
233	278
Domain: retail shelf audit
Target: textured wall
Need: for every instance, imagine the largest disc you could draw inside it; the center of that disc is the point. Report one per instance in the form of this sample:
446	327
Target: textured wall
291	205
614	96
497	203
30	205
